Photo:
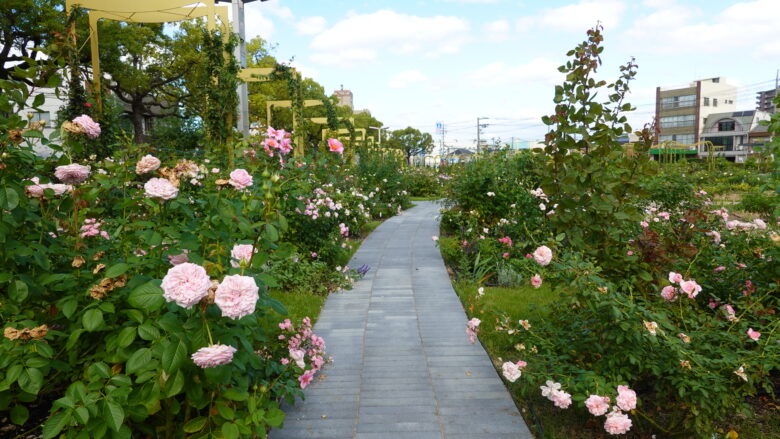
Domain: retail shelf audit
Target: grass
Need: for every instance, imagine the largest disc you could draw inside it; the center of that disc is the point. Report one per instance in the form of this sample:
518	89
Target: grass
302	304
431	198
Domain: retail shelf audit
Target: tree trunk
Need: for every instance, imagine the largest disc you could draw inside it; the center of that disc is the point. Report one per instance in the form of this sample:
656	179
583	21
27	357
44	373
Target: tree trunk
137	116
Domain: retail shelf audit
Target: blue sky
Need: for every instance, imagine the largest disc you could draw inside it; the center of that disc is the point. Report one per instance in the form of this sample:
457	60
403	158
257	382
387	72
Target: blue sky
413	63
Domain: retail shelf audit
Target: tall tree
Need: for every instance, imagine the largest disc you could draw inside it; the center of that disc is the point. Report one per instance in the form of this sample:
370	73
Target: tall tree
411	141
25	25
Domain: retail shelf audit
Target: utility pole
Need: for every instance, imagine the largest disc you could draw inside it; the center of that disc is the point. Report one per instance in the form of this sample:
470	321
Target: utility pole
239	27
479	131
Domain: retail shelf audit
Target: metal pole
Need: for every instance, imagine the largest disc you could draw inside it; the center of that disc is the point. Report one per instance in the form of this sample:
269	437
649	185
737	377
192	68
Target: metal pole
478	130
239	27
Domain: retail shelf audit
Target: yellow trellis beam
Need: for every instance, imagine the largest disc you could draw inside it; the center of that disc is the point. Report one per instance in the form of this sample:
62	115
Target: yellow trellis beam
255	74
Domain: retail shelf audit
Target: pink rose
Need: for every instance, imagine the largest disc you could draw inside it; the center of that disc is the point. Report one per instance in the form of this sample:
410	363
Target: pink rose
180	258
214	355
669	293
560	399
297	355
148	163
753	334
240	179
335	146
691	288
91	128
626	399
536	281
719	269
237	296
37	190
160	188
597	405
186	284
472	329
675	278
72	173
241	253
306	378
759	223
543	255
617	423
510	371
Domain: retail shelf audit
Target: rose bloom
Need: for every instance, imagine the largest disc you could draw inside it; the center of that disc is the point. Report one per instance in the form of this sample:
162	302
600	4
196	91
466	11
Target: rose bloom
148	163
511	371
306	378
617	423
297	356
691	288
237	296
186	284
240	179
536	281
72	173
214	355
669	293
550	387
91	128
560	399
597	405
543	255
160	188
675	278
626	399
37	190
753	334
335	146
241	253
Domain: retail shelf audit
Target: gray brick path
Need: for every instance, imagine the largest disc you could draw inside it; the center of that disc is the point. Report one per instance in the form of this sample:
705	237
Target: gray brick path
403	366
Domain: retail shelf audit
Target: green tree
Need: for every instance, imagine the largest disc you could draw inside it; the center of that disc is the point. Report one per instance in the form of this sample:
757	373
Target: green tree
411	141
25	25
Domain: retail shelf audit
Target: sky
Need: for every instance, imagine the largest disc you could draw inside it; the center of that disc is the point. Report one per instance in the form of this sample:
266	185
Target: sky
416	63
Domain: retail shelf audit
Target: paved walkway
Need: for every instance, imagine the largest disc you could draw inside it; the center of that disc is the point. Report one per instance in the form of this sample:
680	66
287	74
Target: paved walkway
403	366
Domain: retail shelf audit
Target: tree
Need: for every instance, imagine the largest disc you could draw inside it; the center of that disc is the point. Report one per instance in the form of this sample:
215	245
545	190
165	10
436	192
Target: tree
411	141
25	25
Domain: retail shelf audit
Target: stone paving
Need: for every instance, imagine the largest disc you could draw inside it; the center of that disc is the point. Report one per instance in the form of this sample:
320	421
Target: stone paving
403	366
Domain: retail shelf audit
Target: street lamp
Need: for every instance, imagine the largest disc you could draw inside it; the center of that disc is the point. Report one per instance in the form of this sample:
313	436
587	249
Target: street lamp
379	129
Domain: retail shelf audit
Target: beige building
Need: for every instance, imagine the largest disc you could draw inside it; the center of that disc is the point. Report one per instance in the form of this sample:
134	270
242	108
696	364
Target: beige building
344	97
680	112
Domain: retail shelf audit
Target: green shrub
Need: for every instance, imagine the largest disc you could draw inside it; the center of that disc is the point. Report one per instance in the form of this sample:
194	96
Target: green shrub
763	203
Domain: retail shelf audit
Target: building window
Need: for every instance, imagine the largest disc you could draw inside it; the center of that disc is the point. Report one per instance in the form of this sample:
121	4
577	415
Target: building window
677	121
678	102
722	143
682	139
714	102
726	125
706	102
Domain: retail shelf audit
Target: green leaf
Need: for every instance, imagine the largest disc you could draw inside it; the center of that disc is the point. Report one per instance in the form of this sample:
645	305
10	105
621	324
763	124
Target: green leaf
9	198
18	291
230	430
175	384
148	331
31	380
98	370
55	424
138	360
271	233
19	414
92	319
195	425
73	338
226	412
173	356
116	270
148	297
235	395
126	337
275	417
113	414
82	415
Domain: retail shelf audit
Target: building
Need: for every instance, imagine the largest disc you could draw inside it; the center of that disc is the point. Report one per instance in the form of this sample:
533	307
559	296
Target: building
680	112
764	101
733	134
344	97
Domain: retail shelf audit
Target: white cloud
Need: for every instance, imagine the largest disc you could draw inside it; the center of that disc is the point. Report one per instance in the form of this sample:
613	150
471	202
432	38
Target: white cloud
275	8
311	25
257	23
496	30
361	37
679	28
305	70
576	17
406	77
539	70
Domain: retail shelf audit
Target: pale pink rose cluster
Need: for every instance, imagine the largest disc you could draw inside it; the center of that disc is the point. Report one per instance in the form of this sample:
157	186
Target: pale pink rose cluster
689	287
72	173
616	421
741	225
506	240
37	189
543	255
344	230
91	227
553	392
160	188
147	164
241	254
303	344
472	329
240	179
91	128
277	140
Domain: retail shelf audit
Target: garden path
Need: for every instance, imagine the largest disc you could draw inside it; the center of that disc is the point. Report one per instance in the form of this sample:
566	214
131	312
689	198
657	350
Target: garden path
403	366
